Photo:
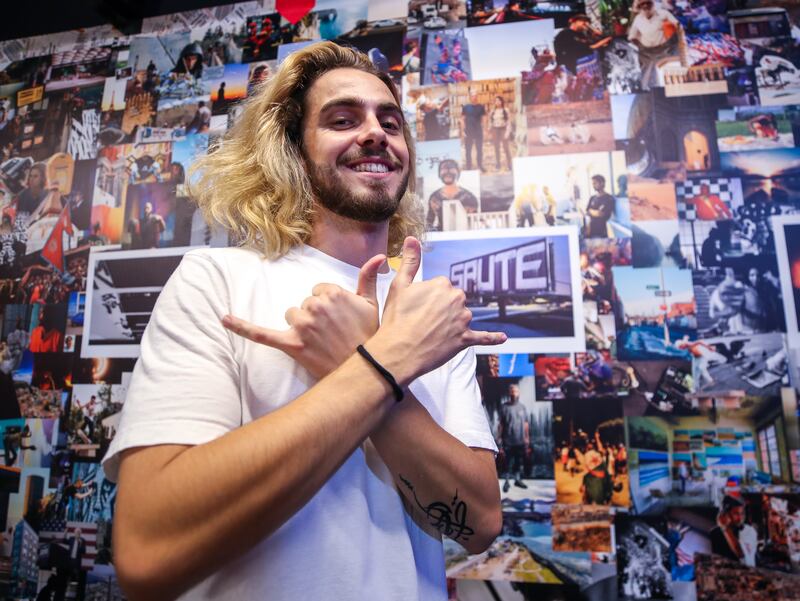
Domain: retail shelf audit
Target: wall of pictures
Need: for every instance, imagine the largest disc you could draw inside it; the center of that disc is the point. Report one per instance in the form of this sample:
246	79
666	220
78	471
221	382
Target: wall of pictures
615	184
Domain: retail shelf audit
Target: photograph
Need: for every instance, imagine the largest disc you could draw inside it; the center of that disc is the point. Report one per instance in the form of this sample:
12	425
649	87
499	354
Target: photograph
701	67
657	309
446	57
652	201
740	129
582	528
786	229
756	364
522	553
656	244
522	429
720	579
487	118
739	300
642	558
570	127
708	198
523	285
508	49
687	461
591	459
122	290
582	189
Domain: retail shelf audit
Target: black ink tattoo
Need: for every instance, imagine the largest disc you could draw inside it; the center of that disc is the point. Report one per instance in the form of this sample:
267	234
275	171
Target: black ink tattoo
450	520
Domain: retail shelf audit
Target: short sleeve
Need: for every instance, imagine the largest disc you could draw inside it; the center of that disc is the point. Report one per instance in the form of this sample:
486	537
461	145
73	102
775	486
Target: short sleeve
455	401
185	386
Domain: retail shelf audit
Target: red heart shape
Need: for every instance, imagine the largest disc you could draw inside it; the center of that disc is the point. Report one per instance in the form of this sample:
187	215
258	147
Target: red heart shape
294	10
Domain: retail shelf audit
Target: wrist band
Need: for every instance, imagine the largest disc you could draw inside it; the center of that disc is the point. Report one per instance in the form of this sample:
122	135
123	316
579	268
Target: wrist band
398	392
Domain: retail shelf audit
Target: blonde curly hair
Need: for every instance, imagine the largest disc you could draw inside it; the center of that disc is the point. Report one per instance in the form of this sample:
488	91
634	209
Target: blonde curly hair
254	182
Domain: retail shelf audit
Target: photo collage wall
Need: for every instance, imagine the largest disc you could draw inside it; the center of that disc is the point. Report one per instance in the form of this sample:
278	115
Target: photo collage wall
615	184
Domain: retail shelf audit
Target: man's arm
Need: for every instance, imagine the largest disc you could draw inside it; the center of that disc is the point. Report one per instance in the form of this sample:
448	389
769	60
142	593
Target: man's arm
449	486
184	512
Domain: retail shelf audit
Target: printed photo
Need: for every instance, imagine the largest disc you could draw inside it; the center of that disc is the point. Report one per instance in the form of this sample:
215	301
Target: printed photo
643	568
575	189
522	553
525	286
787	245
591	459
122	289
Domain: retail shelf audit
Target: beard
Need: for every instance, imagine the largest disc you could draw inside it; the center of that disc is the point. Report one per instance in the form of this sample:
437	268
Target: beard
374	206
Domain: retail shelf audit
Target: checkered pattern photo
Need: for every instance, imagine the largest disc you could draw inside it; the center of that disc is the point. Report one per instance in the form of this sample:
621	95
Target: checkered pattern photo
729	191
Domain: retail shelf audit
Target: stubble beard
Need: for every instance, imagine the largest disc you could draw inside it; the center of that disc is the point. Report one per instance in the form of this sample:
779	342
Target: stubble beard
375	206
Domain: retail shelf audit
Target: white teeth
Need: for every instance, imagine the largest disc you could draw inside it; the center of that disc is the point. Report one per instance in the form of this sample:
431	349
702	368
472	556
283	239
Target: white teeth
371	167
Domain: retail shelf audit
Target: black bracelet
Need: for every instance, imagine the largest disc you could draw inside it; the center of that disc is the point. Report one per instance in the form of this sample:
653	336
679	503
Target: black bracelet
398	392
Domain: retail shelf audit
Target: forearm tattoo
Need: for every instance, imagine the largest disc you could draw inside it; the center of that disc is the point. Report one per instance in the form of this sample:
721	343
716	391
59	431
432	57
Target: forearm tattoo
450	520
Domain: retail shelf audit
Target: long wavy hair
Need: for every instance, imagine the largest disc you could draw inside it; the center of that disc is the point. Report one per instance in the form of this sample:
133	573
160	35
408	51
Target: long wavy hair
254	183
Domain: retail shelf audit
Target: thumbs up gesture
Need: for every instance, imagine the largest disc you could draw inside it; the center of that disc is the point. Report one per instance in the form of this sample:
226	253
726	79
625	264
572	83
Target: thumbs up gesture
328	325
425	324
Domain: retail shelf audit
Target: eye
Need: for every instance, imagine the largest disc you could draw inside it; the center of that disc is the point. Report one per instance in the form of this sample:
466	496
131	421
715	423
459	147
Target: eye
391	124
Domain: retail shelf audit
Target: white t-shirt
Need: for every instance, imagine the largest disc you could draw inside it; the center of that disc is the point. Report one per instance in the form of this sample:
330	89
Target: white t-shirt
650	32
195	381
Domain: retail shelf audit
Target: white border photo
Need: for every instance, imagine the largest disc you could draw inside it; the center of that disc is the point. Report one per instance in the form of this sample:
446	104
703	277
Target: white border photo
528	276
788	291
117	311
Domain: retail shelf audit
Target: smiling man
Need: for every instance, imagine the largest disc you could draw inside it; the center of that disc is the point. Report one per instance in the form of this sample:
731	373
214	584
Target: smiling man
326	460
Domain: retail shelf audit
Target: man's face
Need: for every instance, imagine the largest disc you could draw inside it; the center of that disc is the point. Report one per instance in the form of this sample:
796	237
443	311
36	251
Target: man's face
473	98
704	189
598	184
189	61
513	393
148	208
354	147
448	173
737	516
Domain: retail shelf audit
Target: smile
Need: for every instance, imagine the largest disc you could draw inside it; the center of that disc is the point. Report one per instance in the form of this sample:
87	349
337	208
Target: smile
371	168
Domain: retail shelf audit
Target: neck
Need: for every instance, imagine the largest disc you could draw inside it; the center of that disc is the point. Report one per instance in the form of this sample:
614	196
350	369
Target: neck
353	242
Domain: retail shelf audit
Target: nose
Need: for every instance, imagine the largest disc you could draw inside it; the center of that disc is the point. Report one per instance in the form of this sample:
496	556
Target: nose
372	133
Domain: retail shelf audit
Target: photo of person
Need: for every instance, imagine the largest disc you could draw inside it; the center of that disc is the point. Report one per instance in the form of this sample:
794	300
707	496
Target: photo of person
655	32
449	173
591	465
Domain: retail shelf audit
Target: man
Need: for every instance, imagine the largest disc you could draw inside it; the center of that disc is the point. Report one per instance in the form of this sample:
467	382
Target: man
515	436
242	460
151	226
577	41
710	206
733	538
597	487
473	123
654	31
448	173
201	120
600	208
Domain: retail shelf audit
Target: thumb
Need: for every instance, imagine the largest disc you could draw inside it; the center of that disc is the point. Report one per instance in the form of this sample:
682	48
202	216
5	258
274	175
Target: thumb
368	279
412	252
283	340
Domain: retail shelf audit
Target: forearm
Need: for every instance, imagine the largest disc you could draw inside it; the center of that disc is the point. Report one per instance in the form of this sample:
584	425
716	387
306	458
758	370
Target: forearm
449	486
211	503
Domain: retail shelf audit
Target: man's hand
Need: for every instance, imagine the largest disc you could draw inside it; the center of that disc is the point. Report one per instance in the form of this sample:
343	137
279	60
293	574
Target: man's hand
325	330
424	323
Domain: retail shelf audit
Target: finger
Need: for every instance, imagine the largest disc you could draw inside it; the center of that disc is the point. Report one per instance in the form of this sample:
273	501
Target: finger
368	279
281	340
410	264
321	289
480	338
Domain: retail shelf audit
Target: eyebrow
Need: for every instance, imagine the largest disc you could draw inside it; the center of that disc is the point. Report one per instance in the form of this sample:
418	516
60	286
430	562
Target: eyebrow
355	102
